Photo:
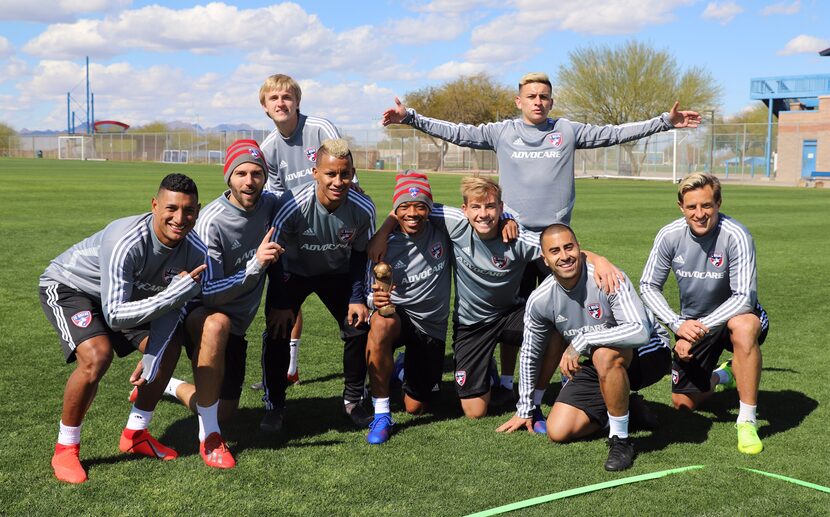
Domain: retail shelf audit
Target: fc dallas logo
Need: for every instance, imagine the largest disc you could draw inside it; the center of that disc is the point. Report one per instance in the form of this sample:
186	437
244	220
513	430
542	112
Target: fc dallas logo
345	234
500	262
437	251
555	139
594	310
82	319
171	273
461	377
716	259
311	154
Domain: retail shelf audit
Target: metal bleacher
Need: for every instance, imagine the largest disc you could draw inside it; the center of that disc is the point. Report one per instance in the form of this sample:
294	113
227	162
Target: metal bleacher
781	91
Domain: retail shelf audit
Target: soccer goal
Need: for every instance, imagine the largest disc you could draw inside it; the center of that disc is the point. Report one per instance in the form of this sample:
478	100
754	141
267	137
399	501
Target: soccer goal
174	156
75	148
216	157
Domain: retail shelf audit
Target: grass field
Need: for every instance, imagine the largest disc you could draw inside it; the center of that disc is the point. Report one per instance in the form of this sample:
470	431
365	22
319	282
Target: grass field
439	464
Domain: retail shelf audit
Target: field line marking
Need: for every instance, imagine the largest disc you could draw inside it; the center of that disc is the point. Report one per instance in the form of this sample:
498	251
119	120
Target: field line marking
581	490
807	484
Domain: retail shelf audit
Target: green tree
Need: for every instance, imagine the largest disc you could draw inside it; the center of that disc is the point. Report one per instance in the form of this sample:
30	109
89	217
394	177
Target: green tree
474	99
8	139
152	127
627	83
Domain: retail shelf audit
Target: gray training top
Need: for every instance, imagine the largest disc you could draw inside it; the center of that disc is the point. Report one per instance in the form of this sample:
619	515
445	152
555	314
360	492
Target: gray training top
421	273
715	274
232	236
536	162
291	159
136	278
586	317
487	273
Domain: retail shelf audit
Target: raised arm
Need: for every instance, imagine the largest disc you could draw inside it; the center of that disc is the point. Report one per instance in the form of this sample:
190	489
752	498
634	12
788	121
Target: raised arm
483	136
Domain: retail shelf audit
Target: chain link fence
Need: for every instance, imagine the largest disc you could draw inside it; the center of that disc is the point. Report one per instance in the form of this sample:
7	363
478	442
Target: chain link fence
725	149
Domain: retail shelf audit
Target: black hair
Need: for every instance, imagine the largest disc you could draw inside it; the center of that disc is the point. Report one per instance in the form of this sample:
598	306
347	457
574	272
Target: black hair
557	227
176	182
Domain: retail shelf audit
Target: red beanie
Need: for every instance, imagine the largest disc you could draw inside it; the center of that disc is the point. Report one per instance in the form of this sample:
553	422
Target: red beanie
243	151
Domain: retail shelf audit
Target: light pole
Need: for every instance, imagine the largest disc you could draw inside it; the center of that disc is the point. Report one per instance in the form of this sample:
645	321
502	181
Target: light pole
711	142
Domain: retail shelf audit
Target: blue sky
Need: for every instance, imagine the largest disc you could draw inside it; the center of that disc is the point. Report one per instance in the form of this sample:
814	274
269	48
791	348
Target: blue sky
204	62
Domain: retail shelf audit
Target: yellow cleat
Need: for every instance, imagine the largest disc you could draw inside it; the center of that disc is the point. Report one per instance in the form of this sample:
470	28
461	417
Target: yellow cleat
748	441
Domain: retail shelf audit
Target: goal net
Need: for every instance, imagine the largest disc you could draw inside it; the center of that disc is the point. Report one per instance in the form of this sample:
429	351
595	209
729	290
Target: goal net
75	148
174	156
216	157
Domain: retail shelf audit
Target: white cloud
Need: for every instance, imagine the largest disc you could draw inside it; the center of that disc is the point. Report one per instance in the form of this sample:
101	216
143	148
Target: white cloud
453	69
722	13
433	27
6	48
13	68
782	8
50	11
445	7
804	44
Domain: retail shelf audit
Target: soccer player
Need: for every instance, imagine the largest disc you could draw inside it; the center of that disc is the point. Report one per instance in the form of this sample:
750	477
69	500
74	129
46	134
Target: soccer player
235	228
420	256
536	160
120	289
291	153
713	259
626	349
324	227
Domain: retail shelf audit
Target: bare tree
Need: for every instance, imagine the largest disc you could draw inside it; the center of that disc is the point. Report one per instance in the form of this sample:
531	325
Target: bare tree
628	83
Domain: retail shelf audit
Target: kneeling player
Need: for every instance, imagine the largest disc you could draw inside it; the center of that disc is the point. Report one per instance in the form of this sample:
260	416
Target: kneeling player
626	349
419	254
121	289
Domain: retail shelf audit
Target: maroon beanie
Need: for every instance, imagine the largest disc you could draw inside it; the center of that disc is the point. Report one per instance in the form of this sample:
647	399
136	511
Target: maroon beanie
243	151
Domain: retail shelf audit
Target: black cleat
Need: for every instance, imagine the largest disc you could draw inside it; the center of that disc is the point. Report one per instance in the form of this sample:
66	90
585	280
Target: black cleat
257	386
502	397
357	413
272	421
621	455
642	417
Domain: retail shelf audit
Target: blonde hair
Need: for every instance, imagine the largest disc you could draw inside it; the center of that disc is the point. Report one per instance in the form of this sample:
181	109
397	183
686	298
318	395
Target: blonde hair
476	187
696	181
535	77
279	82
335	147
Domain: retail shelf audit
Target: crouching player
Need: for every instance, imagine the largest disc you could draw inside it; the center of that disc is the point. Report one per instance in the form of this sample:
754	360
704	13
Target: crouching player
713	258
420	256
120	289
324	227
235	228
626	348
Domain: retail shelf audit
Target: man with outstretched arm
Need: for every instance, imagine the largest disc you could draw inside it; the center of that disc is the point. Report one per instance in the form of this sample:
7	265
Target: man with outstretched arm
324	227
713	259
420	256
123	289
626	348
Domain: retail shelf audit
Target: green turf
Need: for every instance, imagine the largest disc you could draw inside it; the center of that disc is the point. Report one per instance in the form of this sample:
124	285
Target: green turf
435	465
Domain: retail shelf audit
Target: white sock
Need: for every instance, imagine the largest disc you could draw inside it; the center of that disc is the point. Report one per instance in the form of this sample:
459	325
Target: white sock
507	381
746	413
618	426
381	404
172	386
208	420
139	419
722	376
538	393
68	435
294	352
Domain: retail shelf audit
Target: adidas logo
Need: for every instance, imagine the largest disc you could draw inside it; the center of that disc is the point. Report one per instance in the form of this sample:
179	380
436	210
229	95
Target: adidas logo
236	245
561	319
283	164
399	265
309	231
518	141
679	260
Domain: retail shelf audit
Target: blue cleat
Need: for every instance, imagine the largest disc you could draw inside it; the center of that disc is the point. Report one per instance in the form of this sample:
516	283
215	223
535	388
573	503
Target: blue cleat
380	429
540	425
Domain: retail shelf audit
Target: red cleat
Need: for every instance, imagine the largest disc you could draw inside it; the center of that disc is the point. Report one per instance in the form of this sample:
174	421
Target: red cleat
67	464
133	394
293	379
215	452
142	443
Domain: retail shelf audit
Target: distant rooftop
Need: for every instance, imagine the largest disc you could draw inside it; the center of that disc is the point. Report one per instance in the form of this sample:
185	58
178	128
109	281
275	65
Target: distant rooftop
825	52
783	90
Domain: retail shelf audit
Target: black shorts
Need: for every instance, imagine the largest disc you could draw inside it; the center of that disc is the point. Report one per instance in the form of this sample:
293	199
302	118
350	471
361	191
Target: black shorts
78	317
423	361
695	375
236	355
582	392
535	273
473	347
